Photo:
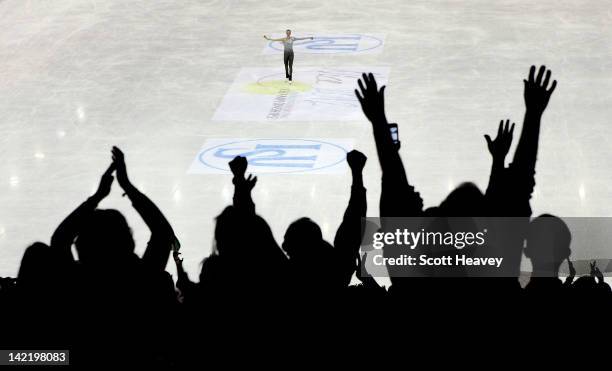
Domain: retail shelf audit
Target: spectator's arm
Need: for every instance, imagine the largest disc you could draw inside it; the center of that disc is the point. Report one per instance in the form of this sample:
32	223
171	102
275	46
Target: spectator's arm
69	228
162	236
242	186
183	283
537	94
349	234
498	149
398	197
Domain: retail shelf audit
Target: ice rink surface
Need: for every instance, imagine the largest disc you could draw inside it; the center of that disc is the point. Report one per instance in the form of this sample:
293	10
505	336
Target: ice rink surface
77	77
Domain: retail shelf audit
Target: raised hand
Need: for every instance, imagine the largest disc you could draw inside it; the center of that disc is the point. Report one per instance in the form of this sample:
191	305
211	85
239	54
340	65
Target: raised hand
238	166
595	272
176	245
599	275
572	270
242	186
250	182
119	162
177	257
371	99
501	145
105	183
356	161
537	94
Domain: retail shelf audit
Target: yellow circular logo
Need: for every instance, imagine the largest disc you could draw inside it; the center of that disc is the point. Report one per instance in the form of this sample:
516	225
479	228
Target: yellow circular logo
274	87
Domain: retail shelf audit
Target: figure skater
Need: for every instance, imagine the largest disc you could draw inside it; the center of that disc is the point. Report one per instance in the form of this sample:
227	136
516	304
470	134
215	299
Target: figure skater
288	52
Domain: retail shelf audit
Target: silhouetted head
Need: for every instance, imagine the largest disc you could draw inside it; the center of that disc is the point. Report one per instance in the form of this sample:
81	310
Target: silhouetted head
105	238
246	251
465	200
548	244
288	32
244	234
585	283
36	265
304	239
235	231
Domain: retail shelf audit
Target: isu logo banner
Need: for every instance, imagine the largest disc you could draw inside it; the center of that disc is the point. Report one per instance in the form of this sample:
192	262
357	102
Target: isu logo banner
317	94
274	156
330	43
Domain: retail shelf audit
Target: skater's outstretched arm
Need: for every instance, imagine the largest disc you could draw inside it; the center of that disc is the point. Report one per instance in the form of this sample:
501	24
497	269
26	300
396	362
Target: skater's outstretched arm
303	38
267	38
162	236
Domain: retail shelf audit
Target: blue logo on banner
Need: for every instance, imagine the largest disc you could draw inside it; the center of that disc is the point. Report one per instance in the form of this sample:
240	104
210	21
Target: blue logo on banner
276	155
336	44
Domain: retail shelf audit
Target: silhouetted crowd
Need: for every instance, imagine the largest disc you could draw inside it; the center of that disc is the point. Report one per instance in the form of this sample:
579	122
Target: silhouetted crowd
254	292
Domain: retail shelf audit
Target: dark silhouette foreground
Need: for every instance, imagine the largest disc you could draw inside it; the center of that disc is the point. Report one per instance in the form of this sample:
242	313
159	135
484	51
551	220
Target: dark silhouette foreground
253	285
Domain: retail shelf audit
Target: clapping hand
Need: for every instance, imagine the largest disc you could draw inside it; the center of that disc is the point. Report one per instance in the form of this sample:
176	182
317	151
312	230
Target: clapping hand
119	163
105	183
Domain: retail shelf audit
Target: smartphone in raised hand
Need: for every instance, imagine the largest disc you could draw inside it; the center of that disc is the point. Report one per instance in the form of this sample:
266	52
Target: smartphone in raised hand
393	129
